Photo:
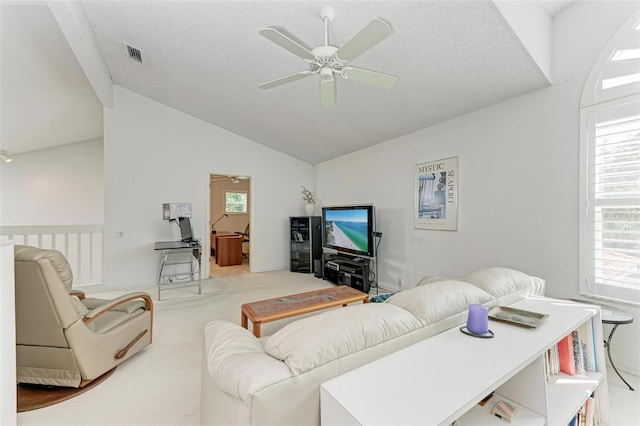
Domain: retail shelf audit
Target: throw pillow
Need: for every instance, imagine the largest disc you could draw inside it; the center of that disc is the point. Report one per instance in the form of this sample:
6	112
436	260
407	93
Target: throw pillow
380	298
499	281
439	300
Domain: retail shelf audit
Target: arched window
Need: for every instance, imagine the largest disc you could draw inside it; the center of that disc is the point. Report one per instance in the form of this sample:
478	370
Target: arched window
610	171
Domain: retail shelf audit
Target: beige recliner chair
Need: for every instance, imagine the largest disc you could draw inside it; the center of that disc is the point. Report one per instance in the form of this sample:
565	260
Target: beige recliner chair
63	338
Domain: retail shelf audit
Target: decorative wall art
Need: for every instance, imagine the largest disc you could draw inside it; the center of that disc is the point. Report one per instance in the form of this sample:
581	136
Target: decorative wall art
175	210
436	195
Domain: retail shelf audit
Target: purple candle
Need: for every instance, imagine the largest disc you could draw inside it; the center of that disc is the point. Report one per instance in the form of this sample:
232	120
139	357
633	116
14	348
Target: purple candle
478	320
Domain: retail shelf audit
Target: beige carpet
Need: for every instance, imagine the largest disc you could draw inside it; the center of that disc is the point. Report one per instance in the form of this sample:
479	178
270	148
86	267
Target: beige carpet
161	384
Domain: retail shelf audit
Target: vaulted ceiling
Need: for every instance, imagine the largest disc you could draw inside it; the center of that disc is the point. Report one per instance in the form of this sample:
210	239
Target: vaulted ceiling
206	58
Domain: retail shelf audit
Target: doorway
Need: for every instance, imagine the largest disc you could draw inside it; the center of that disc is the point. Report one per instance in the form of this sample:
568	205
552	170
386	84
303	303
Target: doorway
230	224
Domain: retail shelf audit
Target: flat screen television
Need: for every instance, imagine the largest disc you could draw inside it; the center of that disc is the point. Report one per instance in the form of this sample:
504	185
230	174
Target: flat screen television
349	229
185	229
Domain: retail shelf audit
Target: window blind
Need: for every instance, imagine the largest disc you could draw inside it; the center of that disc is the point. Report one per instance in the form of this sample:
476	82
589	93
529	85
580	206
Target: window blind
615	206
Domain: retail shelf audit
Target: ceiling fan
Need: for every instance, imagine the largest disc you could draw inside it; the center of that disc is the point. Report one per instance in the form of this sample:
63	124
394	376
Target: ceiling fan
225	178
329	61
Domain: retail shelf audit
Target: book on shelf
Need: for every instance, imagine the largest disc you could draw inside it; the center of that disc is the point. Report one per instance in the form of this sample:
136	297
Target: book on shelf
547	363
566	355
597	419
588	339
586	415
589	412
575	353
552	363
578	352
587	347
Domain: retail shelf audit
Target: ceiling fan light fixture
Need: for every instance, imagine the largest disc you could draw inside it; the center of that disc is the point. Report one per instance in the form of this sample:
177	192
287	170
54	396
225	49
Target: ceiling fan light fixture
326	73
237	179
327	60
327	88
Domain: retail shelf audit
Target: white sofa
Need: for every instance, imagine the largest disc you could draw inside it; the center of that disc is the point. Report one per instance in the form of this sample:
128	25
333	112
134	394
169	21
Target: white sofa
275	380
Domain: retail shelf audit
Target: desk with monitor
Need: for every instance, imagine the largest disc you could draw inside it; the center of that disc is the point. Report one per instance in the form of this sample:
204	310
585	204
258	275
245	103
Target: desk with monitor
172	270
180	261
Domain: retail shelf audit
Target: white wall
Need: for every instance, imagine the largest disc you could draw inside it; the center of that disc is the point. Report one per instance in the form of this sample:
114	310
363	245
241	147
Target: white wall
155	154
518	197
514	192
8	333
58	186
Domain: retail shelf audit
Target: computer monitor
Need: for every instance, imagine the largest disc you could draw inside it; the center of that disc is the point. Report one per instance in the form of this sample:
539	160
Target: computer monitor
185	229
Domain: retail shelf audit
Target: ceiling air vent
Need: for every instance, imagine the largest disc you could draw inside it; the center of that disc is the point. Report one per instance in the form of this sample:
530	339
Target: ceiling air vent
134	53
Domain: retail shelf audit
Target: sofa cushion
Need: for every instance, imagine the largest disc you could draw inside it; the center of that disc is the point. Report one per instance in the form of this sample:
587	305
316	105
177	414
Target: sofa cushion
500	282
432	279
314	341
236	361
439	300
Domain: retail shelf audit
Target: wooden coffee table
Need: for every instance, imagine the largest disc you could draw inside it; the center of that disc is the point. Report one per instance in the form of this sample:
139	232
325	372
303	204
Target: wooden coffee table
264	311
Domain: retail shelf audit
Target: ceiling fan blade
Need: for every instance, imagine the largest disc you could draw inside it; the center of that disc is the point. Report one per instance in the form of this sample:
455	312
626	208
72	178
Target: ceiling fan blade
287	43
372	78
376	31
327	91
282	80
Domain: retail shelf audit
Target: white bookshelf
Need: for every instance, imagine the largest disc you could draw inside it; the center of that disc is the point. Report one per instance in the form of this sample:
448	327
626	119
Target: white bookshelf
566	402
482	415
440	380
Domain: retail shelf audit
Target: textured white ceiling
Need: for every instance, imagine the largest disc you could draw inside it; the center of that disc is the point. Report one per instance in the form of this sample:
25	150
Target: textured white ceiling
205	58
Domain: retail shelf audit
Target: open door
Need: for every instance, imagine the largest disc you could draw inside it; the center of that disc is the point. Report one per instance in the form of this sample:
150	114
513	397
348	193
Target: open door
230	229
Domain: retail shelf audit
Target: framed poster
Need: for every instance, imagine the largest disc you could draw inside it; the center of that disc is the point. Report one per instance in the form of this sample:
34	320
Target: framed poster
436	195
171	211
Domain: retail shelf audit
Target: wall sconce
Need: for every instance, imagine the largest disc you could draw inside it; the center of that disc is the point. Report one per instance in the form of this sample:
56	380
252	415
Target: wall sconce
4	155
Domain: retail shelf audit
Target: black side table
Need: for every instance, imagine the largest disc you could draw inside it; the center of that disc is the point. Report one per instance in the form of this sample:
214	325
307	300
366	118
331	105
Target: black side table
615	316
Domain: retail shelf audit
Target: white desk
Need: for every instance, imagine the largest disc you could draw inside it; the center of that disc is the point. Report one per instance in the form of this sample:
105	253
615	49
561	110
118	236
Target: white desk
177	253
441	379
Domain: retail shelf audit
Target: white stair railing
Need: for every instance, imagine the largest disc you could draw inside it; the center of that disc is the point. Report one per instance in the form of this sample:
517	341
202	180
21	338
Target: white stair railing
82	245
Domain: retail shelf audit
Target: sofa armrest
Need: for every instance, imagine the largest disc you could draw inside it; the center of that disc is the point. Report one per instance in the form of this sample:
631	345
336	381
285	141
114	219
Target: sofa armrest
118	302
236	361
77	293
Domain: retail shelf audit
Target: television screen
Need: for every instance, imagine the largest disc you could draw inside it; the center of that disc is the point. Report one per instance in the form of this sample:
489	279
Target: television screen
349	229
185	229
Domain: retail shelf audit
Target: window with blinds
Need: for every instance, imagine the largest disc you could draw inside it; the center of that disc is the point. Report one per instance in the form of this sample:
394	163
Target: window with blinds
614	202
610	170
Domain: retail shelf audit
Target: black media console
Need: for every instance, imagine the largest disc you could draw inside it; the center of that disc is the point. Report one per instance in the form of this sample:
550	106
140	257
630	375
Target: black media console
306	243
342	270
